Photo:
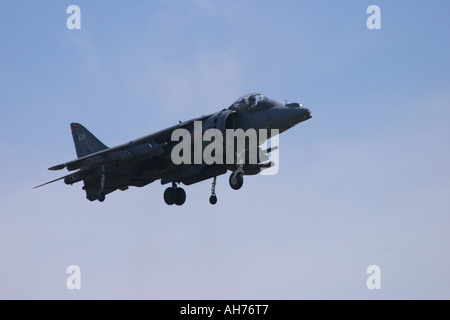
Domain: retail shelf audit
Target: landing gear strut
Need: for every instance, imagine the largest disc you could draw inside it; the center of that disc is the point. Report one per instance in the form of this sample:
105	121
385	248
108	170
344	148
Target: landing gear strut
101	193
213	198
174	195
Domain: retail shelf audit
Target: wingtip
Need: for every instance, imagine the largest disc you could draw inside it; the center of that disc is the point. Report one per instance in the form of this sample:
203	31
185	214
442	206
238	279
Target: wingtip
58	167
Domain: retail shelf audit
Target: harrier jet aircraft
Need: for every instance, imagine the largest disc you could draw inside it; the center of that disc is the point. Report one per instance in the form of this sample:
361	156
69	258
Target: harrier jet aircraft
140	162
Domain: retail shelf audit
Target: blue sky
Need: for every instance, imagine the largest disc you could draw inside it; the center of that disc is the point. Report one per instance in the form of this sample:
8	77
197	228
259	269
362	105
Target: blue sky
365	181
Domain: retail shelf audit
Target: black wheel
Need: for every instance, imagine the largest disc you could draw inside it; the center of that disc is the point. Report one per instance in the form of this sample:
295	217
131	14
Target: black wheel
237	182
170	196
213	199
181	196
101	196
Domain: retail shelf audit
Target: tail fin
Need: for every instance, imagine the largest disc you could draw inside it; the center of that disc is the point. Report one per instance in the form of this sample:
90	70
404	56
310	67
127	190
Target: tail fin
85	142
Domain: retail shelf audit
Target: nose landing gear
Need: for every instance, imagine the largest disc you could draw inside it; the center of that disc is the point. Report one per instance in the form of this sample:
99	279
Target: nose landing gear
236	180
237	177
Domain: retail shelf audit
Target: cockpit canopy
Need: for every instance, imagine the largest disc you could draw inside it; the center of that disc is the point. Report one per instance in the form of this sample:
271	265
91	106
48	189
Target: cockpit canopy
253	102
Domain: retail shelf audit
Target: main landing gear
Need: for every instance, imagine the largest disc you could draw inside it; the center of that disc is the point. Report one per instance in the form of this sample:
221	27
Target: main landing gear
177	195
174	195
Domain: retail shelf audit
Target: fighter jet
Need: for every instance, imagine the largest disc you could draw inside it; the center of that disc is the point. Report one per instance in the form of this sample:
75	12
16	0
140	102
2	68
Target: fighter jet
142	161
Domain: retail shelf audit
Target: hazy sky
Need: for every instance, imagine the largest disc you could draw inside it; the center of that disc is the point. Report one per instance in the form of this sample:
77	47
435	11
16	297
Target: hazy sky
365	182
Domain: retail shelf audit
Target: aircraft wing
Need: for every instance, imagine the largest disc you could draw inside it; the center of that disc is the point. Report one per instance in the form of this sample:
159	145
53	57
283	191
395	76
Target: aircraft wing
119	153
146	146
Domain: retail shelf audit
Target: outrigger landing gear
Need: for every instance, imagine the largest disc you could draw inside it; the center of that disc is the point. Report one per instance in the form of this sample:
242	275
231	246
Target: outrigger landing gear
101	193
213	197
174	195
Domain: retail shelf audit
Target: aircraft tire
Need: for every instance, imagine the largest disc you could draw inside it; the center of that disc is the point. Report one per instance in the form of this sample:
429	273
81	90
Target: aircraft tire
180	196
213	199
170	196
238	183
101	196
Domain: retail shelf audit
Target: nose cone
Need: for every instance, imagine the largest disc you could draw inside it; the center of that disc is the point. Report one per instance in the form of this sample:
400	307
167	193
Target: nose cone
307	113
298	115
300	108
285	117
293	114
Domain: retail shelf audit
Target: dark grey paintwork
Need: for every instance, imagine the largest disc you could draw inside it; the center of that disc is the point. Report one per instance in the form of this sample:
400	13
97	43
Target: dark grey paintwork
144	160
